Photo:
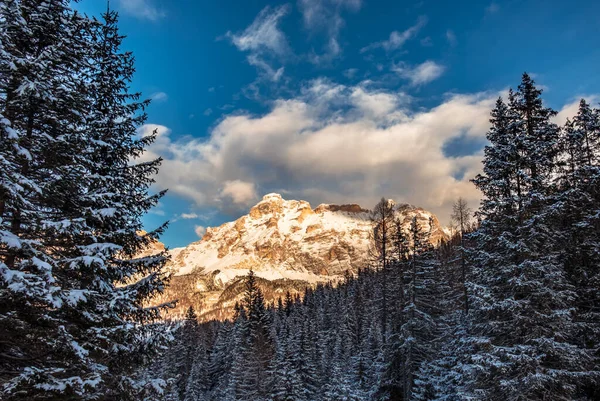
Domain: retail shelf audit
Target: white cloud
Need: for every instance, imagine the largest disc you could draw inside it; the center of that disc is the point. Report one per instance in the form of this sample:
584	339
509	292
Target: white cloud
200	231
240	192
148	129
420	74
379	105
272	73
397	39
208	112
189	216
332	143
159	97
263	33
325	15
451	38
570	110
142	9
316	13
264	42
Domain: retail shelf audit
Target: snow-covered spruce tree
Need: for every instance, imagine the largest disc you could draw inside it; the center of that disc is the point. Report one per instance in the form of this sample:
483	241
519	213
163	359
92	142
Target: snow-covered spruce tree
182	354
576	210
195	357
293	369
41	104
255	347
221	360
285	385
229	385
197	384
72	317
441	377
520	323
119	190
419	332
341	383
306	350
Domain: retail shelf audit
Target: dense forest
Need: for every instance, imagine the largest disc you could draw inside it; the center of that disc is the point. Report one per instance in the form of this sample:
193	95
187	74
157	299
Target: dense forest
507	309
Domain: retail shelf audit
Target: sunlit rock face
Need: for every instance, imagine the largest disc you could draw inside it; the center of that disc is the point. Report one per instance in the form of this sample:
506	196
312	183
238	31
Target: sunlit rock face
286	242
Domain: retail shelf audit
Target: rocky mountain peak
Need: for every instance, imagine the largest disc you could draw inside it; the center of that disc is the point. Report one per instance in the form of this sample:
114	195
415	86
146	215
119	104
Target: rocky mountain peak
271	204
285	242
272	197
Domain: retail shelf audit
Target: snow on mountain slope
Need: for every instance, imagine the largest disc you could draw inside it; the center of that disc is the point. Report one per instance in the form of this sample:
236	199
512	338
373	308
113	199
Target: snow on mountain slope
280	239
284	241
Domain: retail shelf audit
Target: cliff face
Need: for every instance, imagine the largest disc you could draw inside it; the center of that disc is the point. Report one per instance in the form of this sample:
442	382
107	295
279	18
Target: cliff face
285	242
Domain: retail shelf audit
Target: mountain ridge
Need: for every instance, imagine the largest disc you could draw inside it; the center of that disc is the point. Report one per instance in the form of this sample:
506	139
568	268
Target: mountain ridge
282	241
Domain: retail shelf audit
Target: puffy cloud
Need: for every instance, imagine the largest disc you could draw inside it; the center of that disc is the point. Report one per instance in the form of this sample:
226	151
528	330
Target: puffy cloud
420	74
240	192
398	39
331	143
264	41
142	9
200	231
377	104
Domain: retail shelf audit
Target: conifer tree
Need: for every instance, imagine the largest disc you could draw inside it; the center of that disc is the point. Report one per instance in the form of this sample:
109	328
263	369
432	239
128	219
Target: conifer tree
183	353
256	345
197	383
285	384
41	101
70	222
576	214
520	294
418	333
221	359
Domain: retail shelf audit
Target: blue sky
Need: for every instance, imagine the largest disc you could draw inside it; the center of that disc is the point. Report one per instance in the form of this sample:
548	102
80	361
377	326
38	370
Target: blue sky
338	101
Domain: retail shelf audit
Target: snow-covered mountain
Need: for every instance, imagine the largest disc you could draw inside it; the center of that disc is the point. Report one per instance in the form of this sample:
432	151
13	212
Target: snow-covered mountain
285	242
